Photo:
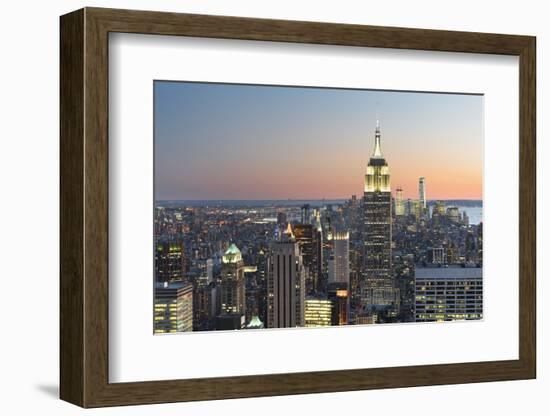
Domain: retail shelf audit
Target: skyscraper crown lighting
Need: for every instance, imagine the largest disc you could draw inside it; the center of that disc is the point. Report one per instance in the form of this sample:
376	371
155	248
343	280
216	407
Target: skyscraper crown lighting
232	255
377	149
377	177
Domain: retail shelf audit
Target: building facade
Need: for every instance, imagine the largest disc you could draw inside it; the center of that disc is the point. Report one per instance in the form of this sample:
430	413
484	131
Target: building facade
173	307
399	203
232	283
339	263
339	295
318	251
422	193
304	234
286	283
318	312
448	294
170	262
378	287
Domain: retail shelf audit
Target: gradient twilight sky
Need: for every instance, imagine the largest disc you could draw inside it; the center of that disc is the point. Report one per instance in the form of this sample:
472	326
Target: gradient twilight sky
232	141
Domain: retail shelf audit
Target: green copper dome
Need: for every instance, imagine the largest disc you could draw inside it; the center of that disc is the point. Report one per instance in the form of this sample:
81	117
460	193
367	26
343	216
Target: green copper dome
255	323
232	255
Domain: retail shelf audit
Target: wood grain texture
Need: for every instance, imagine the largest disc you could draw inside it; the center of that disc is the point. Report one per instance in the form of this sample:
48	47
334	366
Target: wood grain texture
71	158
527	208
84	207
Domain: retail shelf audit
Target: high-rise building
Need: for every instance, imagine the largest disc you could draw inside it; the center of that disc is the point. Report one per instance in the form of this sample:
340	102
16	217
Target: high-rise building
465	219
305	214
415	208
409	207
422	192
448	294
339	264
439	209
378	287
453	214
399	203
281	219
318	252
173	307
480	243
203	298
304	235
438	255
339	295
232	283
170	262
261	279
285	283
318	312
209	270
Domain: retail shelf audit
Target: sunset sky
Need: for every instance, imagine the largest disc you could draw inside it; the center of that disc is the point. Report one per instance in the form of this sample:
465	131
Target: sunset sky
230	141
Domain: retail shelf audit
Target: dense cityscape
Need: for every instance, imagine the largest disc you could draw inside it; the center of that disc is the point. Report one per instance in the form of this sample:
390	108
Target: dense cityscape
376	258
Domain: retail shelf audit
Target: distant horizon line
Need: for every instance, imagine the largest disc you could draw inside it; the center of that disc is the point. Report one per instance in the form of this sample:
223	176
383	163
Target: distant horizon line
310	199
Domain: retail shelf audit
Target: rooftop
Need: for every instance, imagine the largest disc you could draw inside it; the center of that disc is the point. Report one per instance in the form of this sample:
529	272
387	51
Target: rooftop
172	285
232	255
255	323
448	273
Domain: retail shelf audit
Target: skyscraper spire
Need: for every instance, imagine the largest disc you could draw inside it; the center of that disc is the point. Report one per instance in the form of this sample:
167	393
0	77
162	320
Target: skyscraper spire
288	234
377	283
377	150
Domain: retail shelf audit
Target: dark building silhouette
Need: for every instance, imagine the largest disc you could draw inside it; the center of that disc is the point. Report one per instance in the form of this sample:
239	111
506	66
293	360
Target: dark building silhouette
170	262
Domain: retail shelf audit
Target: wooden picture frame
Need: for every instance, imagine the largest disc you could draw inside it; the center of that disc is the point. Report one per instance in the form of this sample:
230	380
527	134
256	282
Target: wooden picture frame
84	207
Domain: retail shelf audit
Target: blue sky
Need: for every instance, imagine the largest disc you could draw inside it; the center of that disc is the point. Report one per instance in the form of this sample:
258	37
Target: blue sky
233	141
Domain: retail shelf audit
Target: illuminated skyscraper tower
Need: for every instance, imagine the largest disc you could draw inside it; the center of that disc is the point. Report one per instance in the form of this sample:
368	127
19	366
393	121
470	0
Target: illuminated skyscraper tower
339	264
399	203
318	251
378	288
422	192
232	285
303	233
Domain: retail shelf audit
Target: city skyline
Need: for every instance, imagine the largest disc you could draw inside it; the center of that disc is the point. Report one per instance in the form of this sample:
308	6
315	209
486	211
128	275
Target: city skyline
249	133
379	255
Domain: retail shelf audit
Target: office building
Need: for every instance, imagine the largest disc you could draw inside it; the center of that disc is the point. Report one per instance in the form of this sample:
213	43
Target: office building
304	235
305	213
448	294
438	255
232	283
281	219
339	263
318	312
173	306
378	288
453	214
422	193
399	203
285	283
318	252
339	295
170	261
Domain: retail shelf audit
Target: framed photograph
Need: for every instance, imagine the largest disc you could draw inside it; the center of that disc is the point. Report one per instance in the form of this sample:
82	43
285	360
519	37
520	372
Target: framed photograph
255	207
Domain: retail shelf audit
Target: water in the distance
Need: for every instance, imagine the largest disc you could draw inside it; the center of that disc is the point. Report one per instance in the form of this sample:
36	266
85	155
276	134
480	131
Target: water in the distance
474	210
475	214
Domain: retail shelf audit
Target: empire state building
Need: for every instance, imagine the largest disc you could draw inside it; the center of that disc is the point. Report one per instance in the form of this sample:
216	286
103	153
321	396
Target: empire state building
378	286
